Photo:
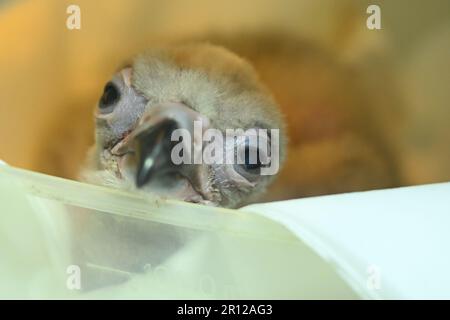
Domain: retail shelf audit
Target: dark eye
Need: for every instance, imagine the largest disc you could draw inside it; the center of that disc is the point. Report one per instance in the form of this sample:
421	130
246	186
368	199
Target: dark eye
110	96
252	165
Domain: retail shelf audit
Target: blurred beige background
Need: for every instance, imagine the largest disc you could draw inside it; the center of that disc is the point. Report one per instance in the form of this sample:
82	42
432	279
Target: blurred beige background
47	71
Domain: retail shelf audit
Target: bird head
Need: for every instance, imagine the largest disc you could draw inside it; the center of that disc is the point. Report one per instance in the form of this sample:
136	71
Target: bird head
183	102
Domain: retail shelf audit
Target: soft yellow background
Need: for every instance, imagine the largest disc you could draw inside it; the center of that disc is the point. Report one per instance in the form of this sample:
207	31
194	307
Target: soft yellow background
48	72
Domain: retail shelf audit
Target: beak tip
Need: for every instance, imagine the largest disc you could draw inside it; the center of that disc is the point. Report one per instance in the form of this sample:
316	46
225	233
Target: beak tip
139	183
142	178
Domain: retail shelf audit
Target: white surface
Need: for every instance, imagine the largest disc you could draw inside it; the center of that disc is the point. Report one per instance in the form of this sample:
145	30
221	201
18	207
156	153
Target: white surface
392	244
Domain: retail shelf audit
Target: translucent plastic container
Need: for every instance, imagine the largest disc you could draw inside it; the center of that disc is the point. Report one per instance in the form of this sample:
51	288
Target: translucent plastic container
65	239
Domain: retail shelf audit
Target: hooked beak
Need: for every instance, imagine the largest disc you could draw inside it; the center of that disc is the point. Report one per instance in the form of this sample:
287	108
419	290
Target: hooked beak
151	143
153	149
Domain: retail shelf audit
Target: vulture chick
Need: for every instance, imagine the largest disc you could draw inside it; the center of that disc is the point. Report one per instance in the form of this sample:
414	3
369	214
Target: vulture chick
170	88
342	119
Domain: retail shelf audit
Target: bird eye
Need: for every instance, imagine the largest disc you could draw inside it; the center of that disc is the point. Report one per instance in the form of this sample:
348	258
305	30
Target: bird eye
249	165
110	96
